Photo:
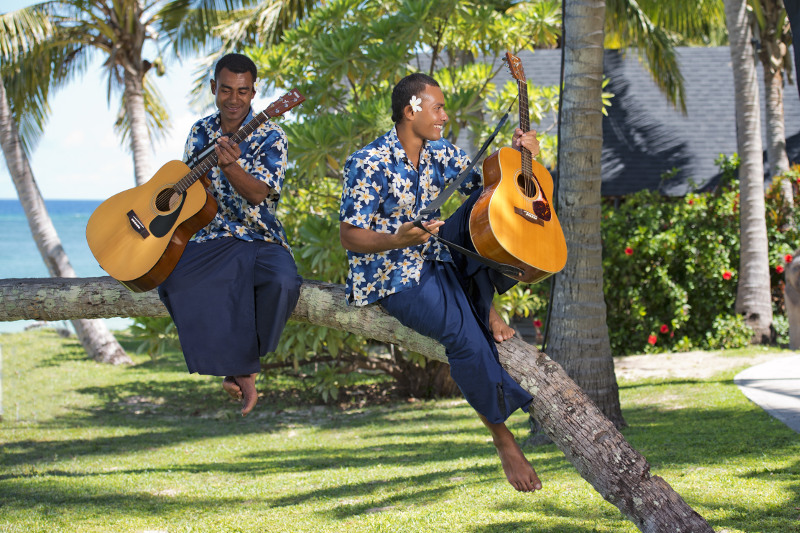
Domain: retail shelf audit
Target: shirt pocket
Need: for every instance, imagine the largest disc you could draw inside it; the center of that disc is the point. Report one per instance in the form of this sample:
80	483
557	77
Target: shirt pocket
400	198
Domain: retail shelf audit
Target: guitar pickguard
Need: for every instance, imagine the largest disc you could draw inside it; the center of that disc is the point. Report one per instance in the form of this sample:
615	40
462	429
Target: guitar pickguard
163	224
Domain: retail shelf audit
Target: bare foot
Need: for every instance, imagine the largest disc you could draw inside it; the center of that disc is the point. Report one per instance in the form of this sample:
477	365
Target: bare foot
500	330
232	388
518	470
247	385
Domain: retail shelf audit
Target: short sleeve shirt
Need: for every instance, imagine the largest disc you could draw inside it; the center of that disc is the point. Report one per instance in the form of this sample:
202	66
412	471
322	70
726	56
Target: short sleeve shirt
382	190
264	155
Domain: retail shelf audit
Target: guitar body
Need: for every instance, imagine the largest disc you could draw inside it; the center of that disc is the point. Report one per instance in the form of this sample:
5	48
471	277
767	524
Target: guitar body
139	243
139	235
503	223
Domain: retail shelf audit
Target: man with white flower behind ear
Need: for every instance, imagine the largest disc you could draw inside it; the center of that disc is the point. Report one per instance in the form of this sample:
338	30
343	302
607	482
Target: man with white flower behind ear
429	288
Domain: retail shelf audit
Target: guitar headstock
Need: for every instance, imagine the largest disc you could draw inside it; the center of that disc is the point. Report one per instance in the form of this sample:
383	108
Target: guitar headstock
515	67
286	102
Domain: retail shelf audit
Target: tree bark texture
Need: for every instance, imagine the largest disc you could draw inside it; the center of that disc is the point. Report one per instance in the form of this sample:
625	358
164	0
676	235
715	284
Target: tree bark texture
140	138
753	290
773	57
589	440
578	335
94	336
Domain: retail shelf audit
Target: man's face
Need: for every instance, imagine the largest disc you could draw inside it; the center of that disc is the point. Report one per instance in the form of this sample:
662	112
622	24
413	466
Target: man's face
233	94
429	123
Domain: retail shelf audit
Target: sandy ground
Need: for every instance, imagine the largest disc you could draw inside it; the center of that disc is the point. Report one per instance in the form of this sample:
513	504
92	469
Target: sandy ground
685	365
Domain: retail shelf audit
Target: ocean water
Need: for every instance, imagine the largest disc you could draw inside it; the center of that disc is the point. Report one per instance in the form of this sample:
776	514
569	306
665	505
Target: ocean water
20	258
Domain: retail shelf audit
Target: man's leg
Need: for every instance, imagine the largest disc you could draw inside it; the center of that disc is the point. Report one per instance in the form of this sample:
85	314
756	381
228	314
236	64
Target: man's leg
479	281
277	289
439	309
518	470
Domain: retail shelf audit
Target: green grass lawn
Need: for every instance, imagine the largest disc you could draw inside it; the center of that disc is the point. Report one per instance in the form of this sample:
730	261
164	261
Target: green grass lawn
89	447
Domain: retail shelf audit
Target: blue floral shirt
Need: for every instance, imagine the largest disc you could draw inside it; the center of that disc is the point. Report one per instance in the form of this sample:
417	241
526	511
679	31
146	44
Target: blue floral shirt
264	155
382	190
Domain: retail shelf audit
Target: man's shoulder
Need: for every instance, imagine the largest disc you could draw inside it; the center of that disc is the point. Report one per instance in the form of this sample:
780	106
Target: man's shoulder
376	151
213	118
269	128
443	145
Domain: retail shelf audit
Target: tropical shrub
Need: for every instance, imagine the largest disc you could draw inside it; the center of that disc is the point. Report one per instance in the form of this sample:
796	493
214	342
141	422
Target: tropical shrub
670	266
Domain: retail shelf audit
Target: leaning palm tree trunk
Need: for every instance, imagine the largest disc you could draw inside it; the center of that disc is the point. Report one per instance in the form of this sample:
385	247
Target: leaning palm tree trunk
578	332
753	291
95	337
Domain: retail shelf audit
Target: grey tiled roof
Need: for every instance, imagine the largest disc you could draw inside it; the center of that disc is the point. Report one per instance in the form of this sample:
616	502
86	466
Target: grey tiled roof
644	136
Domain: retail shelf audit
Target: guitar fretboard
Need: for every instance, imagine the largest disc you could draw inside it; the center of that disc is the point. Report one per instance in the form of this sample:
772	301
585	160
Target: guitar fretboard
524	125
282	105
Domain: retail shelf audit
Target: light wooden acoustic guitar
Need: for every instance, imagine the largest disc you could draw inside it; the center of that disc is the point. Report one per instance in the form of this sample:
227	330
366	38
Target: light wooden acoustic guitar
513	221
138	235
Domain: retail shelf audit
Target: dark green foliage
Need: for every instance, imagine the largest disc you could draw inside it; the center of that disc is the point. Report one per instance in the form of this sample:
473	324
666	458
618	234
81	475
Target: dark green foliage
670	266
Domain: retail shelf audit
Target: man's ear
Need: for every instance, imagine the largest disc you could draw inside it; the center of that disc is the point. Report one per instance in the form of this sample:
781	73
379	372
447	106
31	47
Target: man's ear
408	113
213	87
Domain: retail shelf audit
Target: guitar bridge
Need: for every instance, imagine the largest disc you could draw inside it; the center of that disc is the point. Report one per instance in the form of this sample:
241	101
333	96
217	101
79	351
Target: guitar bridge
527	215
137	225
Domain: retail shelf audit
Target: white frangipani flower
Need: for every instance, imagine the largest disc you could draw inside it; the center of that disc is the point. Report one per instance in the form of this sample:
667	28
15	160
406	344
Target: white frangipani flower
415	103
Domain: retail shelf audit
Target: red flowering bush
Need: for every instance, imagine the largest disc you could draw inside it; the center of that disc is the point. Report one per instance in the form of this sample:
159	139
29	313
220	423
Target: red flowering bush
681	281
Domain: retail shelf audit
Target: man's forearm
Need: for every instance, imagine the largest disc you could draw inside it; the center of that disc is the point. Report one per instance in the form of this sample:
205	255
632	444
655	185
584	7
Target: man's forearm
251	189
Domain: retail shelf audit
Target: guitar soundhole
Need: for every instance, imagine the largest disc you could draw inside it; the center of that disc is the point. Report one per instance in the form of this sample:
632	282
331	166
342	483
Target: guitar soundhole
166	200
526	186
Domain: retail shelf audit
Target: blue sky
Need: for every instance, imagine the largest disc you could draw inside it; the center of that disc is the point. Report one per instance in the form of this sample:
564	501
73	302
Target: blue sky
80	156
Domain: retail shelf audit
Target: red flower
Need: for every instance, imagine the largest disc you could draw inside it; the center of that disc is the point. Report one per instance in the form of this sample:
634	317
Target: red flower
652	339
537	323
779	269
628	250
664	328
727	275
788	258
691	202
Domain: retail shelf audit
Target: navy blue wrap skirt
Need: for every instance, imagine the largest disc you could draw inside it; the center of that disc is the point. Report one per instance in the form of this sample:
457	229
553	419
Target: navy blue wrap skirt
451	304
230	300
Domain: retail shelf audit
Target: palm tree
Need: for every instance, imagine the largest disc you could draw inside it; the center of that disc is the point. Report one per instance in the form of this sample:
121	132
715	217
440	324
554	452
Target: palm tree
578	334
774	37
95	337
120	31
753	291
22	40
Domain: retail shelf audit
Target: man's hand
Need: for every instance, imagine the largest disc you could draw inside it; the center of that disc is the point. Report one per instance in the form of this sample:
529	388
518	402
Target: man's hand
367	241
228	153
410	235
527	139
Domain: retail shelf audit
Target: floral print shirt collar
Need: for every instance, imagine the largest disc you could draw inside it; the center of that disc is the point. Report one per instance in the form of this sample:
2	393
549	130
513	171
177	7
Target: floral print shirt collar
264	156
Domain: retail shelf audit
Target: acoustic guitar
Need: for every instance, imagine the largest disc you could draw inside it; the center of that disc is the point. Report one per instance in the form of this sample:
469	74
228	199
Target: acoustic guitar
513	221
138	235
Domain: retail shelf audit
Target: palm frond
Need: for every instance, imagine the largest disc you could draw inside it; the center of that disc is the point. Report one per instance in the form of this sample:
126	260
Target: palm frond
629	25
22	30
31	80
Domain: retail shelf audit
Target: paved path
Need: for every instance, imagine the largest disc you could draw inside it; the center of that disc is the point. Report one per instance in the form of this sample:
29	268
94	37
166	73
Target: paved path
775	386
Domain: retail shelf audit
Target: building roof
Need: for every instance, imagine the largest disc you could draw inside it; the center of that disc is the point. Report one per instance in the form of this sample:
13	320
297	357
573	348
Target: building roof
644	137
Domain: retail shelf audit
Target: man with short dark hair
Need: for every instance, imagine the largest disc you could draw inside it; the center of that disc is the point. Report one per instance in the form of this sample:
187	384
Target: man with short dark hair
429	288
236	284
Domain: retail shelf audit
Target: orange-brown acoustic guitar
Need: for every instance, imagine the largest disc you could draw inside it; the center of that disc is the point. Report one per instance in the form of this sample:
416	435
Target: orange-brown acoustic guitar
139	235
513	221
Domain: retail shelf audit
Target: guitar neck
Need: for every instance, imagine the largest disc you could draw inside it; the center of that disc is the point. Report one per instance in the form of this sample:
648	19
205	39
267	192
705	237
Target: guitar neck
210	161
279	107
524	124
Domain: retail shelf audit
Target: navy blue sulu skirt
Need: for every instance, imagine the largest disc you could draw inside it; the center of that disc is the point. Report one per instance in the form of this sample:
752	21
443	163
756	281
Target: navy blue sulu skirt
451	304
230	300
